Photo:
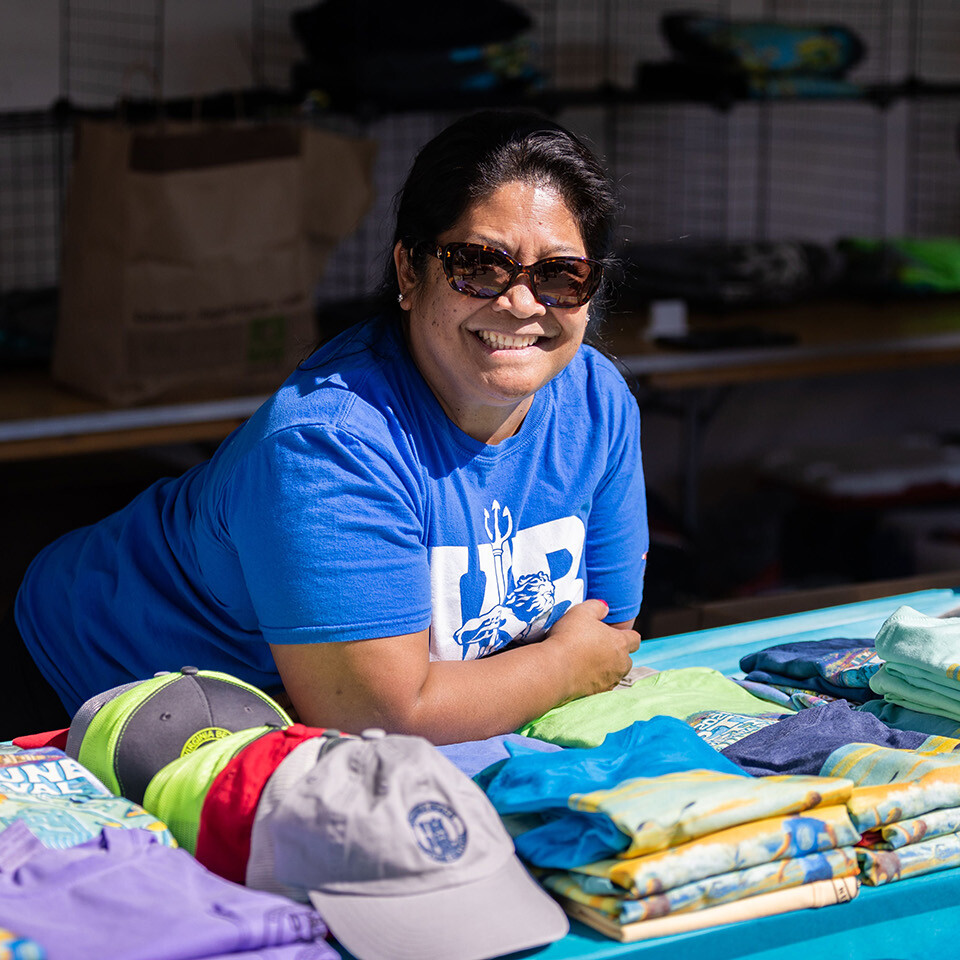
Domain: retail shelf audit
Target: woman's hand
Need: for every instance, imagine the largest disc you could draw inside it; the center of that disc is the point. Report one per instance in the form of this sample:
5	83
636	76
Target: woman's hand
598	653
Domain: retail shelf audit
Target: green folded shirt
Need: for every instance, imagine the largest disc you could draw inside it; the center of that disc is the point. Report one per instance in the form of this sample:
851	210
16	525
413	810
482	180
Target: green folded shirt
671	693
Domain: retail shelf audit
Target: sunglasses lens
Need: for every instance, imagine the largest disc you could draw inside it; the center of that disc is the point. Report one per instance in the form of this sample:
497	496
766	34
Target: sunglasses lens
478	272
565	282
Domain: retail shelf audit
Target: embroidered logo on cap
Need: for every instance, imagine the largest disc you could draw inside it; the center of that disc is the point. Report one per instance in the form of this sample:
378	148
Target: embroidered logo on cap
439	831
207	735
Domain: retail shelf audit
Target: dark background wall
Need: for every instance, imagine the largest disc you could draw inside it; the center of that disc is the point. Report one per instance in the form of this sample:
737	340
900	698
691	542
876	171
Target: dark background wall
811	170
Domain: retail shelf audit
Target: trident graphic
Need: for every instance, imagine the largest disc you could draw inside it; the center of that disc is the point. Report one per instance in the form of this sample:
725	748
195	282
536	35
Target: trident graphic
498	538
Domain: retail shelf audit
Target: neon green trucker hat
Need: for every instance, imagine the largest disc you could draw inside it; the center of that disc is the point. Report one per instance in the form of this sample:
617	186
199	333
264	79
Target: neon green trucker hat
128	733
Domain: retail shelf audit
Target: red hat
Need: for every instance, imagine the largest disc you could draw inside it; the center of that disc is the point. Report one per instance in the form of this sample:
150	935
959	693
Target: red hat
226	819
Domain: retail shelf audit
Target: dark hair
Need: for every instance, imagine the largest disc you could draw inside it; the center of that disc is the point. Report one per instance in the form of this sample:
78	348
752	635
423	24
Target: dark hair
480	152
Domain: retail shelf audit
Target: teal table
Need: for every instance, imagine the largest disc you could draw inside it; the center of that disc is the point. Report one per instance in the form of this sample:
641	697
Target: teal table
914	919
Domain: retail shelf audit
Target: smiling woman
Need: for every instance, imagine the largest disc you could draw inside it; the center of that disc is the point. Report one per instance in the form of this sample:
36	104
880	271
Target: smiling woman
455	477
484	357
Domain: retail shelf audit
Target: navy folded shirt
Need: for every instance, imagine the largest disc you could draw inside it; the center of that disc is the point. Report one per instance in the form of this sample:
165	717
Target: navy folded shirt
838	666
802	742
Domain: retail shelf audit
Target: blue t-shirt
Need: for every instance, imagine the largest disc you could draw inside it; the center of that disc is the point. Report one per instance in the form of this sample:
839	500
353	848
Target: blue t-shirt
350	507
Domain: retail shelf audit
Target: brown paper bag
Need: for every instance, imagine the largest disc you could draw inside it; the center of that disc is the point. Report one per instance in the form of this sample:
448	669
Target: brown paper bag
190	254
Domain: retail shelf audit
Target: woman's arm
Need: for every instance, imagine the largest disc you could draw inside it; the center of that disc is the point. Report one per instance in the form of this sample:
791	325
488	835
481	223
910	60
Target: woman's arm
389	682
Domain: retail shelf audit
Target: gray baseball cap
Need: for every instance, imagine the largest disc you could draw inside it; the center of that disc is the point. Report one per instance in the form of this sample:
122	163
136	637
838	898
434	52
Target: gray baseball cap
402	854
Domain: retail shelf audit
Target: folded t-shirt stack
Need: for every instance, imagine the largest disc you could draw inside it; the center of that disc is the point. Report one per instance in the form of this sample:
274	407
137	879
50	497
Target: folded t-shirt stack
654	822
834	668
922	663
906	803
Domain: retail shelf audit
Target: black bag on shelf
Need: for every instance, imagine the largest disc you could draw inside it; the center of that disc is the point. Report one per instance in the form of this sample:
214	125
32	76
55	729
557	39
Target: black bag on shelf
345	27
409	79
372	53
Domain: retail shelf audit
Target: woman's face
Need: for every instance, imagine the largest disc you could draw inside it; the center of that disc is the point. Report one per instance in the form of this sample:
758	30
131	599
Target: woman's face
485	359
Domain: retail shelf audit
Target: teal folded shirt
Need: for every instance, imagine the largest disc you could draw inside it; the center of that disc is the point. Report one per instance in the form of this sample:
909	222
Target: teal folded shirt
932	644
922	662
903	718
916	693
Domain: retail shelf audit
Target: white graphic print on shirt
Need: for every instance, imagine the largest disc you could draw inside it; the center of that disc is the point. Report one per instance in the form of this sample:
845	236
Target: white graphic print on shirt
512	588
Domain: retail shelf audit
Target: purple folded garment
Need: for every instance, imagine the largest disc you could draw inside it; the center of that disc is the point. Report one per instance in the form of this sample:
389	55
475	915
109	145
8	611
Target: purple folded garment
475	755
125	896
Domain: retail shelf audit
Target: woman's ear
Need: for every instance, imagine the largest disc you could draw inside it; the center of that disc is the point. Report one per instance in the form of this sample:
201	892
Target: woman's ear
406	276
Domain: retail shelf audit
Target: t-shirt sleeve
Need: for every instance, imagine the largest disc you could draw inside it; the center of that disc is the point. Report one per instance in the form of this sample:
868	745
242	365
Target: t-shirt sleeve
617	531
329	535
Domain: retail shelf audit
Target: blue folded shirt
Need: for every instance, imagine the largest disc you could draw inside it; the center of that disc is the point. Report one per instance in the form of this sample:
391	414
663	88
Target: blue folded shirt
543	783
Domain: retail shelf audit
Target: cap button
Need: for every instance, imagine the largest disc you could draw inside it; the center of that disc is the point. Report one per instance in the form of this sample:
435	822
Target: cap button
373	733
189	671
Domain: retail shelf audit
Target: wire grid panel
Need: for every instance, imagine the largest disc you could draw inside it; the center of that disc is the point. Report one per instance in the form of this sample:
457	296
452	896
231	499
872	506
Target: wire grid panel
671	164
111	49
275	49
934	186
355	267
747	166
827	168
937	35
583	44
573	42
30	203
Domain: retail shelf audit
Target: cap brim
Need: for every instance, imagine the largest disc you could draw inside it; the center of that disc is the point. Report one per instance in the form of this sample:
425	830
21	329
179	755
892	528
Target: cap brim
502	913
